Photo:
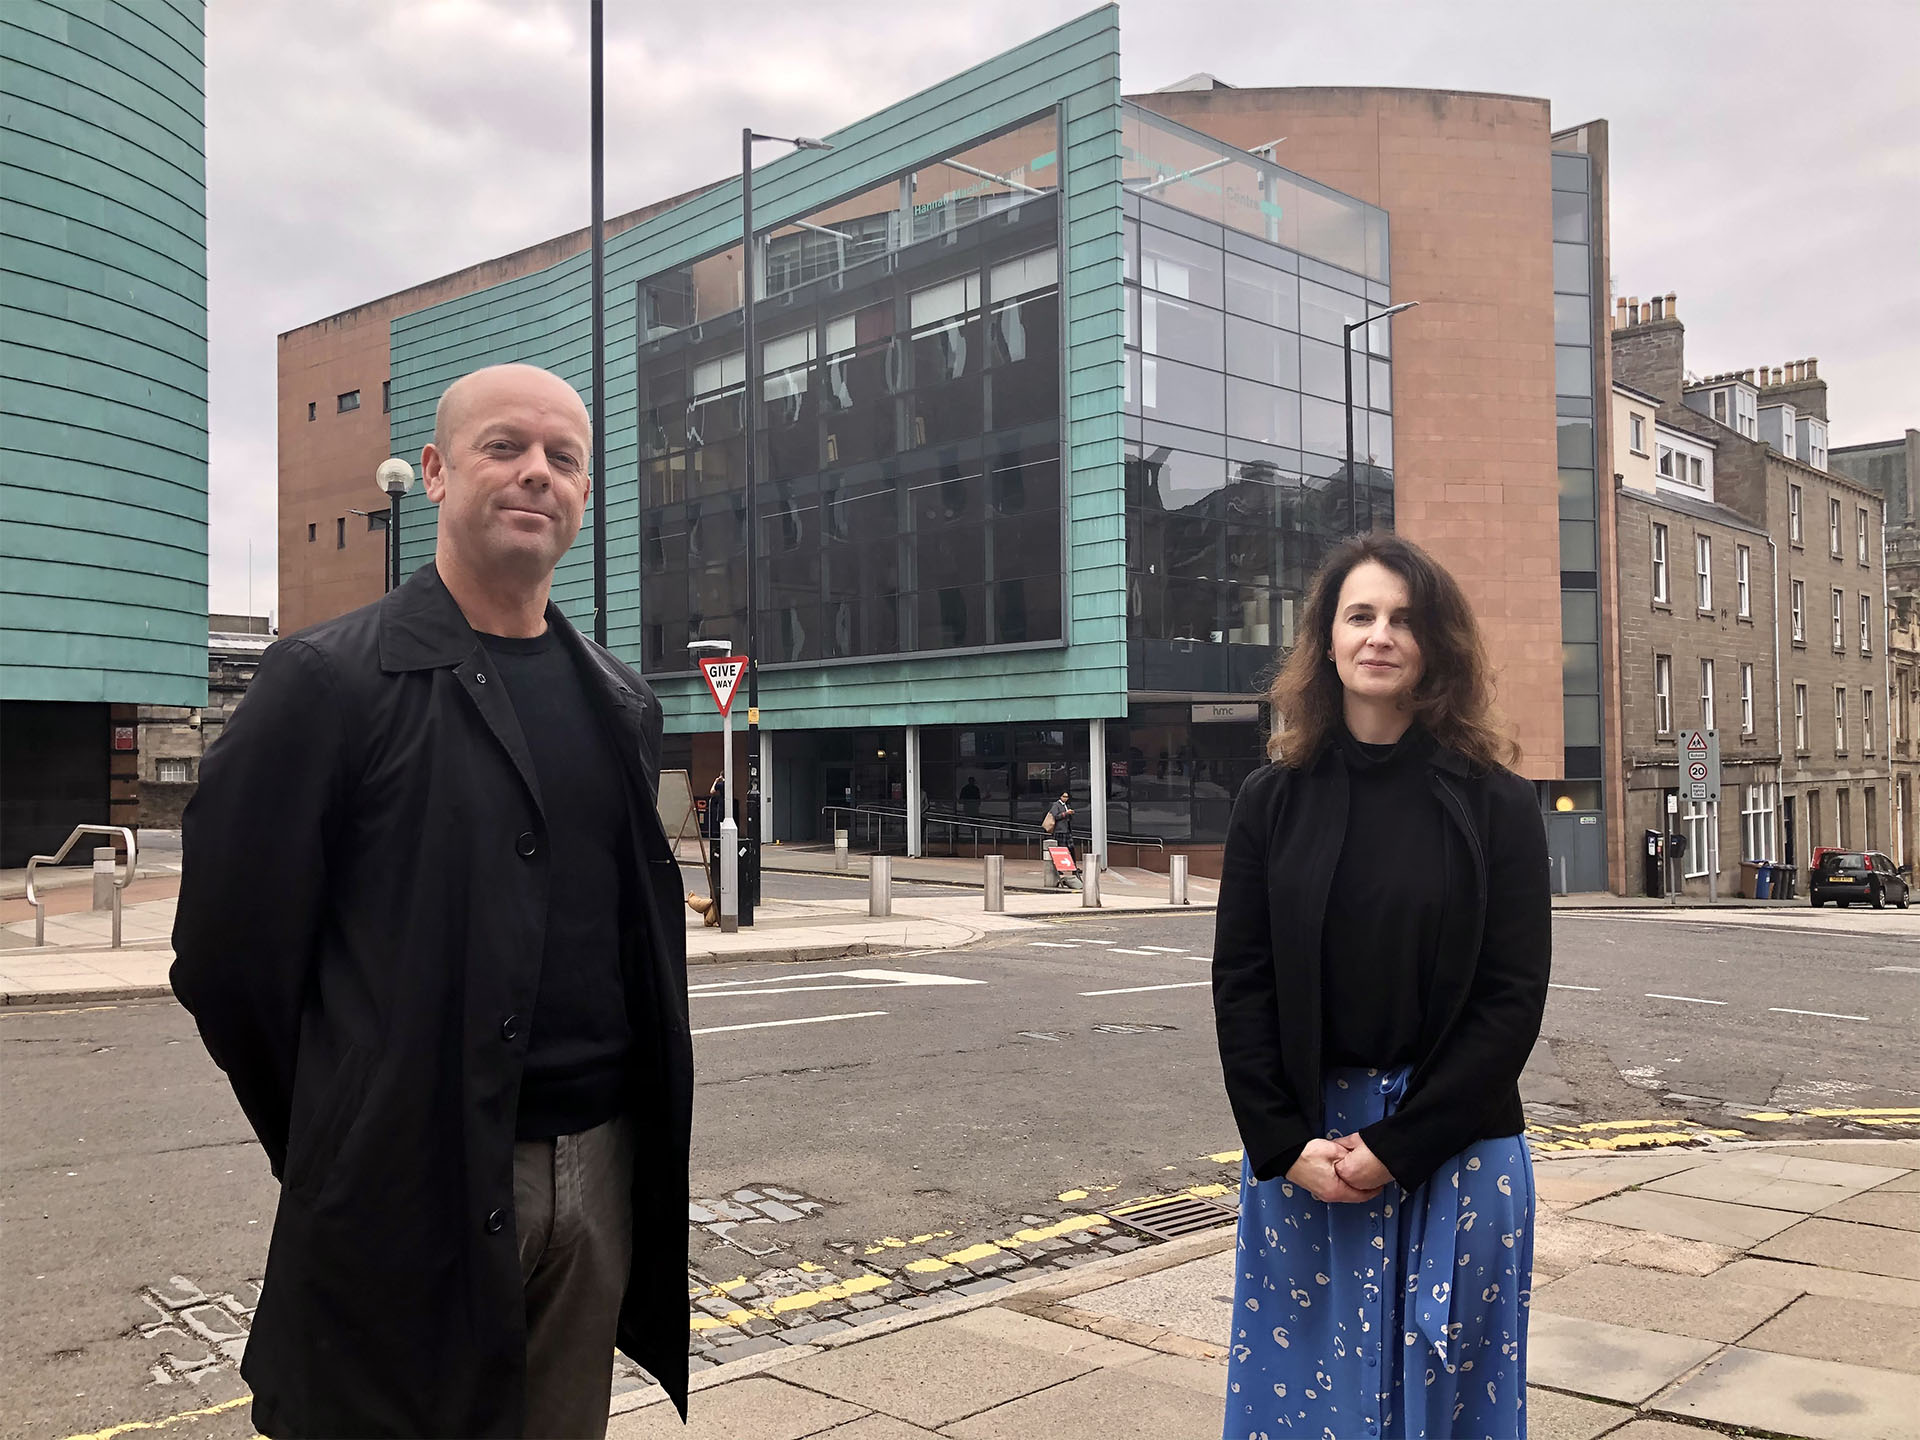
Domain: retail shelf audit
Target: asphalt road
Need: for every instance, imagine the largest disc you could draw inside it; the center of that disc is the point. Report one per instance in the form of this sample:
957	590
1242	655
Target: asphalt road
954	1091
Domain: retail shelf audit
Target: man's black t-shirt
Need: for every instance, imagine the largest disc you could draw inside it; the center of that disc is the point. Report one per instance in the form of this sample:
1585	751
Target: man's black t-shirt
578	1043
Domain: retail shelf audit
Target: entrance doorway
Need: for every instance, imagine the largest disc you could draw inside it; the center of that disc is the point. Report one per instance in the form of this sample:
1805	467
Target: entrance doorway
1577	851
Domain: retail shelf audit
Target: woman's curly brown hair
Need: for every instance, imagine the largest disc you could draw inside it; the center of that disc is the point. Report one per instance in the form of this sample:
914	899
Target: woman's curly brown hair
1454	698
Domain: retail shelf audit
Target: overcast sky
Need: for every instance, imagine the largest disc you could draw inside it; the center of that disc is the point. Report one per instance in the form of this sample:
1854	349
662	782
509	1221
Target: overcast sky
1766	156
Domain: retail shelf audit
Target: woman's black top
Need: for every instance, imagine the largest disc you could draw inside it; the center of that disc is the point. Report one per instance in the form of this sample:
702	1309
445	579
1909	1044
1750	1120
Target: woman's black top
1487	950
1385	910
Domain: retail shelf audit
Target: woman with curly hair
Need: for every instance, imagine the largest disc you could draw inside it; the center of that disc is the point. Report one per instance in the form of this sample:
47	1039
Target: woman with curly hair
1380	968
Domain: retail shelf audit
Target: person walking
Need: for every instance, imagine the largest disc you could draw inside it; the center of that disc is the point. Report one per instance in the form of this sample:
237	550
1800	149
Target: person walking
429	927
1381	955
1060	831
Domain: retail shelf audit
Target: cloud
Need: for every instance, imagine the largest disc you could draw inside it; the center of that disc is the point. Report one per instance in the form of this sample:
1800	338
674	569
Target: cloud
1764	163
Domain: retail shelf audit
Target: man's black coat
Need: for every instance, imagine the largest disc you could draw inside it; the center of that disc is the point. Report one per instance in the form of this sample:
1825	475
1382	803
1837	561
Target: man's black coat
1483	1005
360	936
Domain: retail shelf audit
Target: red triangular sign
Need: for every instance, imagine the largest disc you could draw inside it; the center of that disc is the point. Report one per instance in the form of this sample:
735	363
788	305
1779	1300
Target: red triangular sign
723	678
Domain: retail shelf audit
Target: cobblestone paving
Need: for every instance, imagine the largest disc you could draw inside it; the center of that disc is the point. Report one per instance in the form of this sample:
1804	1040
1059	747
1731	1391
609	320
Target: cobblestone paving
195	1334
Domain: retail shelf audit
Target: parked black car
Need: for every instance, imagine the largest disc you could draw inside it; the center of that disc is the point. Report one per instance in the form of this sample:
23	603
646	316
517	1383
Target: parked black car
1844	876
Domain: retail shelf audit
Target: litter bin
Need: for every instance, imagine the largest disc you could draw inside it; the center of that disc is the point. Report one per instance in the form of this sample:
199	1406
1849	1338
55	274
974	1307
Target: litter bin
1763	882
1749	879
1786	882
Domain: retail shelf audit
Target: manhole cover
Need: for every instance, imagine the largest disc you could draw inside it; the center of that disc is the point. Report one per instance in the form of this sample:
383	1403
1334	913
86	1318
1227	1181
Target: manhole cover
1170	1219
1117	1029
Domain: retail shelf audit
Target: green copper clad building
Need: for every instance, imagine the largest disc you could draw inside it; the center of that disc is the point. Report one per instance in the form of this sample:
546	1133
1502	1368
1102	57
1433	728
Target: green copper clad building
103	399
1048	445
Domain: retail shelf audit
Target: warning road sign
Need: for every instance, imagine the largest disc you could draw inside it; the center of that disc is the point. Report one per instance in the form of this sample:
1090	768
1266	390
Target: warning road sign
723	678
1699	755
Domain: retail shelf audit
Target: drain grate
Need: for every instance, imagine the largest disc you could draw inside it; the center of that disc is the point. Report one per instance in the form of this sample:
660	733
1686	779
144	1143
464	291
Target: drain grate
1182	1215
1112	1028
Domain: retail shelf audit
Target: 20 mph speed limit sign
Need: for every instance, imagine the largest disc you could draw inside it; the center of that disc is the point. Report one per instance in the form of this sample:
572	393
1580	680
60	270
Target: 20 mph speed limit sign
723	678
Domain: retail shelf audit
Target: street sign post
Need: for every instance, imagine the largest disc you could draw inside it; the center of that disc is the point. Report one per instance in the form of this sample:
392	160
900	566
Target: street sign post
723	679
1699	759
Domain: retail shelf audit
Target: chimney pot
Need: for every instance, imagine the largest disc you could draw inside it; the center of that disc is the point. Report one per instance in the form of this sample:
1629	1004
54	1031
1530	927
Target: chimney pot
1778	378
1813	368
1659	308
1672	312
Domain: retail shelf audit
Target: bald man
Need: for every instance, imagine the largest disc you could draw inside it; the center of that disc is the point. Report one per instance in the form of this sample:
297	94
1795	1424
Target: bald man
429	926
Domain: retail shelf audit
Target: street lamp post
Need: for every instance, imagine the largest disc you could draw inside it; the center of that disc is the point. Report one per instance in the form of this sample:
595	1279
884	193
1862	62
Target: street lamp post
1346	347
395	478
750	426
598	268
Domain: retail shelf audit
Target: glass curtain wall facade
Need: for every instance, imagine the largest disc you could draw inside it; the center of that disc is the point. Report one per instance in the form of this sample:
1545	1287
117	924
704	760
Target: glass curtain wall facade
1240	280
1575	204
908	484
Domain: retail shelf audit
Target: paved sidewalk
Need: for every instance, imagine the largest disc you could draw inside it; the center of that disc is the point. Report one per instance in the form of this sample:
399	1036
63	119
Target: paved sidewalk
77	964
1769	1288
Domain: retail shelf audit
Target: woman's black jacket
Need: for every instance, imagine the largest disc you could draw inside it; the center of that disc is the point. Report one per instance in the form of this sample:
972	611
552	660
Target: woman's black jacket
1489	981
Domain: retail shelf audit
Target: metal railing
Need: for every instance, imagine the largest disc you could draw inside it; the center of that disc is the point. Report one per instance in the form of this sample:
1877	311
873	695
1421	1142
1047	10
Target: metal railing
873	820
121	879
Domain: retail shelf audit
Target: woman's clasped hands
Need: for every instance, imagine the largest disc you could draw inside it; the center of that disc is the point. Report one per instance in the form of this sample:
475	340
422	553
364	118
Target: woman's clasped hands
1339	1171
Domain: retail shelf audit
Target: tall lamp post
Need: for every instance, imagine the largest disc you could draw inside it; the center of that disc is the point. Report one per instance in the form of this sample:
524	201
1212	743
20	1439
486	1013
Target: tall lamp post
598	268
1346	346
750	425
395	478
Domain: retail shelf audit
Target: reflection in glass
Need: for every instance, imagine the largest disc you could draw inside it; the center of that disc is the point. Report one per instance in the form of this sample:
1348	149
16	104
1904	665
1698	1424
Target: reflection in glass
1572	320
1570	268
1262	293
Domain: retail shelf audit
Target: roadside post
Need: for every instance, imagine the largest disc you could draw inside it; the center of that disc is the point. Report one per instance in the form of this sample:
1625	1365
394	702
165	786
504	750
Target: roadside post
1666	848
1699	752
723	679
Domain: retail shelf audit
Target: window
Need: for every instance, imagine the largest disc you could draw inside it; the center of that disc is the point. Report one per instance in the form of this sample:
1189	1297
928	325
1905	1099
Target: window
1839	620
313	409
1637	424
386	397
1663	694
1746	699
1720	406
1800	718
1794	501
1756	822
174	772
1866	624
1843	819
1813	821
1706	695
1871	817
1833	528
1695	473
1799	612
340	533
1840	722
1703	845
349	401
1660	564
1743	581
1665	463
1703	569
1866	722
312	531
1860	536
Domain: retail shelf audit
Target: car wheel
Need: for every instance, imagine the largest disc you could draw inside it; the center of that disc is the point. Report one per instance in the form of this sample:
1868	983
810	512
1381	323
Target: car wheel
1879	897
1905	895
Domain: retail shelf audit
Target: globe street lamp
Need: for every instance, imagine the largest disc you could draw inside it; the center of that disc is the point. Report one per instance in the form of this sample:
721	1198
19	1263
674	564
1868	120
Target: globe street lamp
395	478
750	417
1346	346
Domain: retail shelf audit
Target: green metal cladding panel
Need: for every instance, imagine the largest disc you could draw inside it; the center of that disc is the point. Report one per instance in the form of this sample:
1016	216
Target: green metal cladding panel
103	351
543	319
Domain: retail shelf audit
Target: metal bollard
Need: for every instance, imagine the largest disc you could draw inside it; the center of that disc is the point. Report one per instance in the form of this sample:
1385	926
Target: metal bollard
103	877
1090	883
839	849
880	886
996	882
1177	880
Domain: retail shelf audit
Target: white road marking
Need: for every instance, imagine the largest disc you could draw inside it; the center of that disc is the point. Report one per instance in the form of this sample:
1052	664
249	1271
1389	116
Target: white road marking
1898	969
866	980
1685	999
1130	952
1817	1014
1166	949
1051	945
1556	985
806	1020
1142	989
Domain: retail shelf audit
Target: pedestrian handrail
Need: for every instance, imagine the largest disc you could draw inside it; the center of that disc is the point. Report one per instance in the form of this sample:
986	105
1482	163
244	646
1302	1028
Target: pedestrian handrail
120	880
1028	834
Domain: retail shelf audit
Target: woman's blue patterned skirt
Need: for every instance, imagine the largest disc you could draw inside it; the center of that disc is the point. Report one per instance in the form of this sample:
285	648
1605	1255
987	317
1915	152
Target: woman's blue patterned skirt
1405	1316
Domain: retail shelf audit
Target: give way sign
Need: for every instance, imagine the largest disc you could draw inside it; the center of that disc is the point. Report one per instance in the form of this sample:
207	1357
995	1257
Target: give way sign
723	678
